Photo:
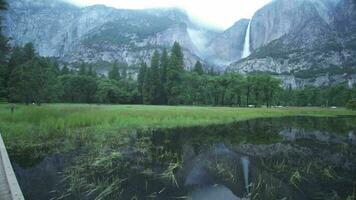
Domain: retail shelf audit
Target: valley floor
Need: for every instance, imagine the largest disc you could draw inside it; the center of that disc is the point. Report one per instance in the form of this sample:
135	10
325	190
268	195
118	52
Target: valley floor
95	136
58	119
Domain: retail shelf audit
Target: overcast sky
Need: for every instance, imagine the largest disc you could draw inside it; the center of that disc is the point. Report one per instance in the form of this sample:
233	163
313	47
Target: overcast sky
218	13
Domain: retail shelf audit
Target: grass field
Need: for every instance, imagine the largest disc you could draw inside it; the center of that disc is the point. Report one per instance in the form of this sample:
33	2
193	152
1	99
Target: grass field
34	125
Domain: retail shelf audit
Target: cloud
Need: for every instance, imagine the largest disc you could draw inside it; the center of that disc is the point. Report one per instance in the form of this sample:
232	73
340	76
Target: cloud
218	13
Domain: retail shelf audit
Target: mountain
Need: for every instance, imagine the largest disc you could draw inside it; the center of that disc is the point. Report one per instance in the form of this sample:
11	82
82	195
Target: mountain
97	33
228	46
302	42
298	37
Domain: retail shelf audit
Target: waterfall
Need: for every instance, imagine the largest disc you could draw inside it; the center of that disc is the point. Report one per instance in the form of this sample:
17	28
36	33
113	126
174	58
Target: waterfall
245	165
246	51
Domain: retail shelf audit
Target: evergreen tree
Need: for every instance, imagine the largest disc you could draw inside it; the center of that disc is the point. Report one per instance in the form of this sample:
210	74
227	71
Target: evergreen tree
29	51
141	79
4	49
164	65
114	73
3	92
155	79
146	90
82	69
177	58
174	75
19	74
65	70
2	5
55	68
123	69
91	72
198	68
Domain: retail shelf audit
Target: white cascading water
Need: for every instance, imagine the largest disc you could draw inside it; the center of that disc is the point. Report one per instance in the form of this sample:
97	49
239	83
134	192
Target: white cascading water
245	165
246	51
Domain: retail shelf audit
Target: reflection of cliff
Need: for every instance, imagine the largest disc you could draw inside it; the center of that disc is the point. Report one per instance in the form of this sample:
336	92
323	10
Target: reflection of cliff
220	173
294	134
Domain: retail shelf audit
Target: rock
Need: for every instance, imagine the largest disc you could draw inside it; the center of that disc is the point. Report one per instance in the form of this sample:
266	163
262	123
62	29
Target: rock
97	33
290	37
228	46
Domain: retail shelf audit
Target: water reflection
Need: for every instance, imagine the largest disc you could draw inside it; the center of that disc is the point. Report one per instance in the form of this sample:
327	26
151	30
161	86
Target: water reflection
290	158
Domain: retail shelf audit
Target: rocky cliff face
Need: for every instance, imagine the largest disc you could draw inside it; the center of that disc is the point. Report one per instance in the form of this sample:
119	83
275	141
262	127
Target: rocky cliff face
283	17
287	37
290	36
228	46
97	33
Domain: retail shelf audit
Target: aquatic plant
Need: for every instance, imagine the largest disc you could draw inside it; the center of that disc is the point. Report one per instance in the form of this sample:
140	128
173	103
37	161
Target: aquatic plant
169	173
329	173
295	179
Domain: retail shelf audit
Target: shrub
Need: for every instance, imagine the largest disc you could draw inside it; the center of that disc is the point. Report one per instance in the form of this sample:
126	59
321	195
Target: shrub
351	104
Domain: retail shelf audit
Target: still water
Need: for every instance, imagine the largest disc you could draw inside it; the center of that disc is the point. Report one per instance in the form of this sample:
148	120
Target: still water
278	158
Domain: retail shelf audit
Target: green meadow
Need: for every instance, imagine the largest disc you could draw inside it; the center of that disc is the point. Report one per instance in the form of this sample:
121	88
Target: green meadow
29	123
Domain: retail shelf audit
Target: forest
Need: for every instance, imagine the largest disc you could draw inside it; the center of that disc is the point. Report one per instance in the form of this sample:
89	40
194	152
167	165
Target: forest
29	78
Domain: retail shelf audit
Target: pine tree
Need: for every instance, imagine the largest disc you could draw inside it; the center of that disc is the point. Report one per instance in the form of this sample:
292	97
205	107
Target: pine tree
38	71
198	68
2	5
163	72
146	90
114	73
65	70
18	73
29	51
155	79
4	50
19	83
91	72
123	74
174	75
2	82
177	57
82	69
141	79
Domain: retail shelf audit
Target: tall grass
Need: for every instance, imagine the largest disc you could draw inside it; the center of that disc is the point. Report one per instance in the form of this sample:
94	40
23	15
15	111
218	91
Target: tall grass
32	124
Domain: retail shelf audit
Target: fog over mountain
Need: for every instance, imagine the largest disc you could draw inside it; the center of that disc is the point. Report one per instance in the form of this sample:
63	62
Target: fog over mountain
286	37
226	12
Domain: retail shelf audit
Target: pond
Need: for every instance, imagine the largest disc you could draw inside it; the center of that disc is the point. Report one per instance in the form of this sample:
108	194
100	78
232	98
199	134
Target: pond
276	158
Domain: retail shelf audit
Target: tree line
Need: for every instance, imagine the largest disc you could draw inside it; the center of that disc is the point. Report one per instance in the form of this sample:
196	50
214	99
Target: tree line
26	77
29	78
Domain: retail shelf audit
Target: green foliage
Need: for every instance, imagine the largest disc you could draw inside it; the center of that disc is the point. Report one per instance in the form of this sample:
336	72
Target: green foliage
32	78
114	73
198	68
108	91
155	80
141	80
174	75
164	65
78	88
336	95
351	104
28	78
4	50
